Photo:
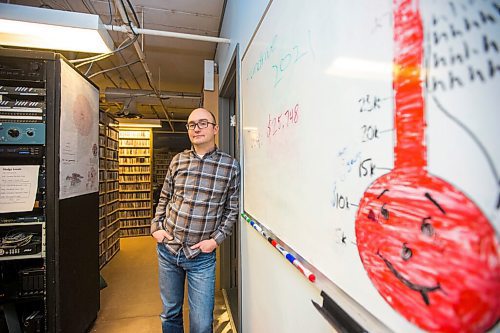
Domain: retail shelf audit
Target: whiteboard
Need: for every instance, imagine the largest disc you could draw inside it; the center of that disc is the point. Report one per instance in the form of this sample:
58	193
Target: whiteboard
319	110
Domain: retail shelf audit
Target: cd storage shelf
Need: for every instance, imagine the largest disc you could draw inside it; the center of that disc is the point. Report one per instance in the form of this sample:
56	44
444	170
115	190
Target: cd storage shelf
162	161
109	205
112	191
102	190
135	181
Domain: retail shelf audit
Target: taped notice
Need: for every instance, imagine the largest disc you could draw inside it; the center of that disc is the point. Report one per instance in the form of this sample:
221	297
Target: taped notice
18	187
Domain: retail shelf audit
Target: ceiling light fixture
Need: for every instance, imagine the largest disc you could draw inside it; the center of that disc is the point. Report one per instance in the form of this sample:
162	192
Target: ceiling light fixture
42	28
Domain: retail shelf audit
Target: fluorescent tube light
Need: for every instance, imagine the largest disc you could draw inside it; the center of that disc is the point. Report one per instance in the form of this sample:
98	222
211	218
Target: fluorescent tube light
34	27
150	123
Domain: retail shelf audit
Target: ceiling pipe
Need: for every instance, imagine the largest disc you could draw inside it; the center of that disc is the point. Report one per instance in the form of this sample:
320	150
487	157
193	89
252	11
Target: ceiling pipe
142	36
126	28
142	58
127	93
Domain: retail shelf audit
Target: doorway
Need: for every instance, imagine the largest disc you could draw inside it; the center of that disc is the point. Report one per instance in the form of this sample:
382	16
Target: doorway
229	143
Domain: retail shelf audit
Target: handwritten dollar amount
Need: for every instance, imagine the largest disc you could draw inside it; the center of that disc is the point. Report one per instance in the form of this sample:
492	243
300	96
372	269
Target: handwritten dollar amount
283	120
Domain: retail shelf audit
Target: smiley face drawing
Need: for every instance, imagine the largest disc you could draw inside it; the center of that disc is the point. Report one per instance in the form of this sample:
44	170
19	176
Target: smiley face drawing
430	252
426	247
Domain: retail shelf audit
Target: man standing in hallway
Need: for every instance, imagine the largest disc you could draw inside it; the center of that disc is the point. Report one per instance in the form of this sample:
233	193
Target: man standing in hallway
198	205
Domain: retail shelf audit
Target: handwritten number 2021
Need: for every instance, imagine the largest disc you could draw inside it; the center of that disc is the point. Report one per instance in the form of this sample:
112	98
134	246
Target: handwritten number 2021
291	57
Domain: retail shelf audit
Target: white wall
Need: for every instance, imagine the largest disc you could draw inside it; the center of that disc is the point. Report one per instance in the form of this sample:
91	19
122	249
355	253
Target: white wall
275	296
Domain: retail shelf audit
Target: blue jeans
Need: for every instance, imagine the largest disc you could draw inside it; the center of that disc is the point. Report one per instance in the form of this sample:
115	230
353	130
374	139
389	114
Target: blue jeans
201	286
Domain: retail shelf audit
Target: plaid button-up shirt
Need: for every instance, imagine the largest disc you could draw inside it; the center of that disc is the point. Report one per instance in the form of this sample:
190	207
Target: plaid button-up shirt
199	200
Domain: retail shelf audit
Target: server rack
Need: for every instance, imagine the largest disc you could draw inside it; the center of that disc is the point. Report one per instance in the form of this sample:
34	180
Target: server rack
50	284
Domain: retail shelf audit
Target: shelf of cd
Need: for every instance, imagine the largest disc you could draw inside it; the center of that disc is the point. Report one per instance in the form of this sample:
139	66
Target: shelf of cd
162	161
135	181
109	195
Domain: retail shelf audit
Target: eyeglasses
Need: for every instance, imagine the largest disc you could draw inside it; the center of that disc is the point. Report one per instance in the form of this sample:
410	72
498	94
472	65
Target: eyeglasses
201	124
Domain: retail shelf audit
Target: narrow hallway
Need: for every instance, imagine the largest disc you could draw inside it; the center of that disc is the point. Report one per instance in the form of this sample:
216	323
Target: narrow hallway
131	301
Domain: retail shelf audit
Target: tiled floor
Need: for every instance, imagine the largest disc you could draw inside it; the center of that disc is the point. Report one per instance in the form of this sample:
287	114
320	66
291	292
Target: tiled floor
131	301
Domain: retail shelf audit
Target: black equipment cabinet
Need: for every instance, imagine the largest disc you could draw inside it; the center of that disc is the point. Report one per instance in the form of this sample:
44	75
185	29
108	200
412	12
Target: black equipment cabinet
49	269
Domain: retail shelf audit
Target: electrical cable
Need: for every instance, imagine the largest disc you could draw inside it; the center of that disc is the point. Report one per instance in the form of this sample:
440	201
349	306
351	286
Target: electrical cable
128	18
134	13
88	69
110	69
103	56
110	13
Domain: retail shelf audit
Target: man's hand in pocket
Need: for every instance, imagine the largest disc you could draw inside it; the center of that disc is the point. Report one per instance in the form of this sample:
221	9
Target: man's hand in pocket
161	235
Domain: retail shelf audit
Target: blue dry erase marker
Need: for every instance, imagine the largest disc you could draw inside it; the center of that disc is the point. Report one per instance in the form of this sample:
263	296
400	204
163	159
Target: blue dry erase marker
290	257
282	250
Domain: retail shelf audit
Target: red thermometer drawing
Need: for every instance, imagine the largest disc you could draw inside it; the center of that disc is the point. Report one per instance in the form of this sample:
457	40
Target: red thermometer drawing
427	248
